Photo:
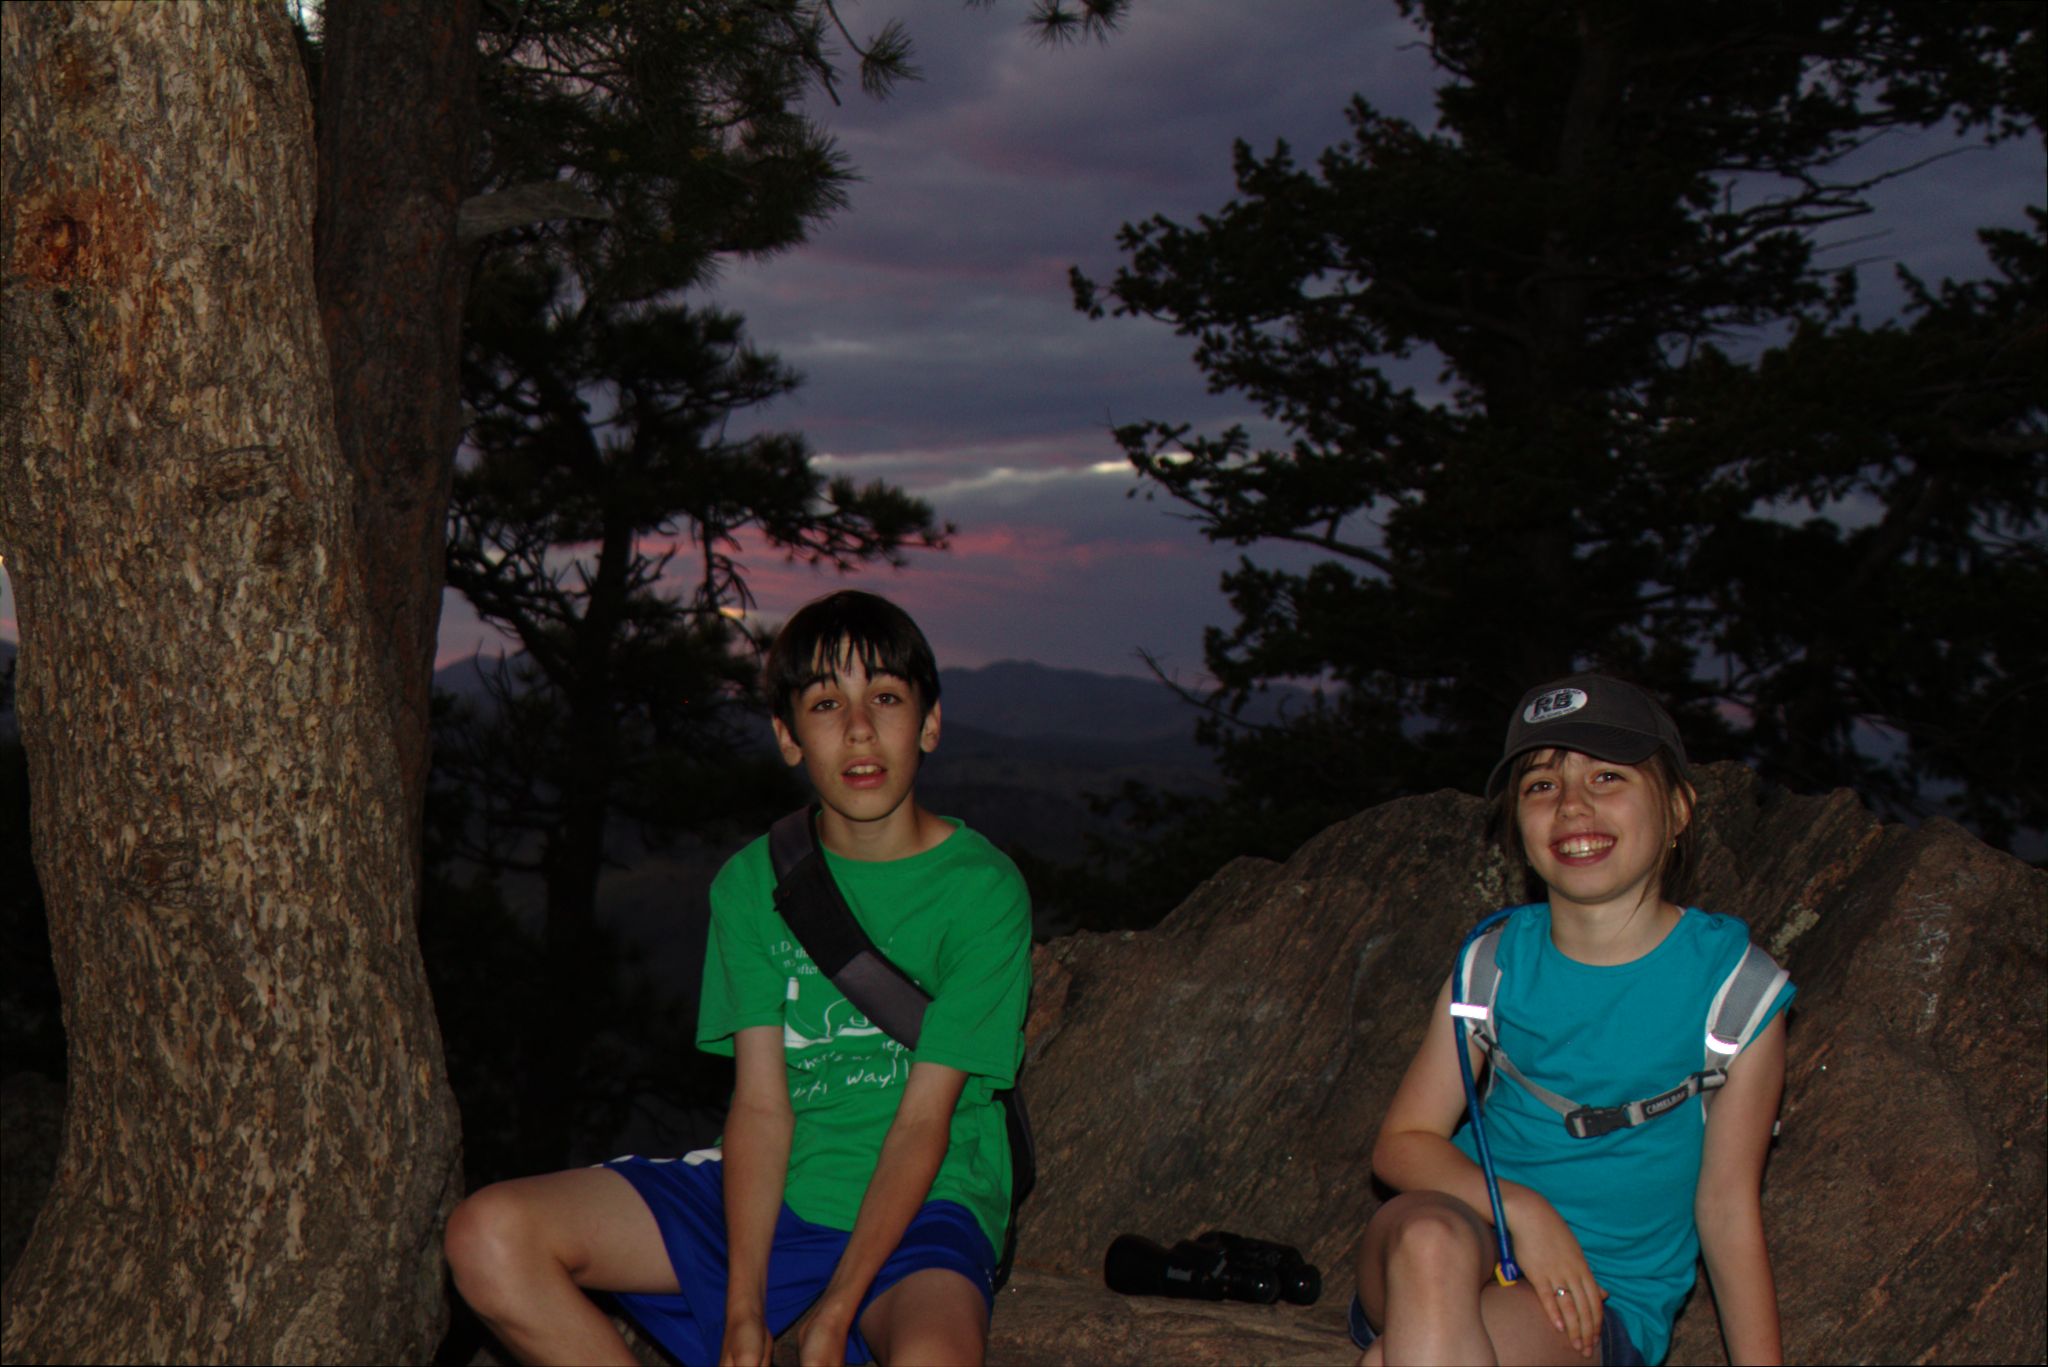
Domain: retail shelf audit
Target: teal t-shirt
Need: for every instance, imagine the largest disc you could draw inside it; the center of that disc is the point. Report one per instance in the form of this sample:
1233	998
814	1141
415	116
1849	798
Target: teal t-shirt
957	919
1604	1035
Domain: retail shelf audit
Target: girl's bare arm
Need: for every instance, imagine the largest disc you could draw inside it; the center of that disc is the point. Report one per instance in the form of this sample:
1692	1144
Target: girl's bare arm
1414	1153
1729	1204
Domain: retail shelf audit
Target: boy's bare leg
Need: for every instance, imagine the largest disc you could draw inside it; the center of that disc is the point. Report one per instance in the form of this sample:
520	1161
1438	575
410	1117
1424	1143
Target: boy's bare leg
1433	1255
521	1250
932	1318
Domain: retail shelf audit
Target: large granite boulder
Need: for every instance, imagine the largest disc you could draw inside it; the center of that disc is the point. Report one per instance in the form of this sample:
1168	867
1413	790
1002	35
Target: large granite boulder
1229	1067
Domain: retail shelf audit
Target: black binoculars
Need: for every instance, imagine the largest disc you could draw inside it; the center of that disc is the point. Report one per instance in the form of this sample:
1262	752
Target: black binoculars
1213	1266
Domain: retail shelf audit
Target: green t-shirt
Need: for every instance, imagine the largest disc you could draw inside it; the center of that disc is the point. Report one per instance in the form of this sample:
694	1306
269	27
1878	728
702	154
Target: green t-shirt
957	919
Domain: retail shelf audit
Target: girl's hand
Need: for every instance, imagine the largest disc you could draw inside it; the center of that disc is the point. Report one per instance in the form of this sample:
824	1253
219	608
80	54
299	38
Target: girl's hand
1551	1260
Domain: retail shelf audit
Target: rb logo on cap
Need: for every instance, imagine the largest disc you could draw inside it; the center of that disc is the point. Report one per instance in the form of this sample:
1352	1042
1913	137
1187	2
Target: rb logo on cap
1551	706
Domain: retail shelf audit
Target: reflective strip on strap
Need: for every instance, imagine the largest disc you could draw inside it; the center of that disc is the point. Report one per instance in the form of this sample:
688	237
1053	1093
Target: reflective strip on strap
1745	995
1476	991
1738	1006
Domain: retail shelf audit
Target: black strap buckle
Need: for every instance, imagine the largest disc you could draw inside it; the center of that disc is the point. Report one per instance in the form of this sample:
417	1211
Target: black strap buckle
1590	1122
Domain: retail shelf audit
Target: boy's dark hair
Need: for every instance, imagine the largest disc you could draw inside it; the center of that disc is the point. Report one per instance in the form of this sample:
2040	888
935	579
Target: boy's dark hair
828	633
1674	868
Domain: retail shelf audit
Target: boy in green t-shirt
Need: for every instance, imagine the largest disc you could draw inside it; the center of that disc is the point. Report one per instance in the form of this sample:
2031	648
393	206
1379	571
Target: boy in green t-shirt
878	1177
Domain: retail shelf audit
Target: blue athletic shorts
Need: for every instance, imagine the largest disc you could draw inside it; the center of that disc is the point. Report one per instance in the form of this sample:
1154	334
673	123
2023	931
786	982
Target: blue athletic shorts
1617	1349
687	1196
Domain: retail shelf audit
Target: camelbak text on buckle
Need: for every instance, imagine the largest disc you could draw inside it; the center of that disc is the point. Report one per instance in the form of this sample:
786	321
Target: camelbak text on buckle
1590	1122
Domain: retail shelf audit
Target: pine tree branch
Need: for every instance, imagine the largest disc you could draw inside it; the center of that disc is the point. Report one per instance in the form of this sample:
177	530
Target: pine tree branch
522	206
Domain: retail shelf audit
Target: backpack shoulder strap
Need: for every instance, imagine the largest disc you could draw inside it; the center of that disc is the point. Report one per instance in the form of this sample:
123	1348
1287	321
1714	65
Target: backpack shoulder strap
1738	1006
1737	1009
811	904
1476	997
1475	993
1477	989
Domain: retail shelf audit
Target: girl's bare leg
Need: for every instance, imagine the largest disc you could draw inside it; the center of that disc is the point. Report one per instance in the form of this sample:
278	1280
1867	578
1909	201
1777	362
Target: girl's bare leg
1519	1324
1421	1266
521	1251
1425	1274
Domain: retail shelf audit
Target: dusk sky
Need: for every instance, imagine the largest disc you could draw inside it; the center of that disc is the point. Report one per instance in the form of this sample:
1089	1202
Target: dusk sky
933	324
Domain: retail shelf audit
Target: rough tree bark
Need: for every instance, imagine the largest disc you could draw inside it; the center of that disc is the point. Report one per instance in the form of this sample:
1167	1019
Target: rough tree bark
398	119
259	1142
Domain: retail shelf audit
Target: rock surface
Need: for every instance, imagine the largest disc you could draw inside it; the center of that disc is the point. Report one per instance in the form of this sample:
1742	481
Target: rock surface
1229	1069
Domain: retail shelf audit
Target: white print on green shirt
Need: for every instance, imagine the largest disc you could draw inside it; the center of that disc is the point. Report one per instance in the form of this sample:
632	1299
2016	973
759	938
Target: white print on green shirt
824	1054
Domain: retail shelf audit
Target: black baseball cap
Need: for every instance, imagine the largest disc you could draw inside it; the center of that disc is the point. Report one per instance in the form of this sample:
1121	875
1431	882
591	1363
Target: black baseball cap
1595	715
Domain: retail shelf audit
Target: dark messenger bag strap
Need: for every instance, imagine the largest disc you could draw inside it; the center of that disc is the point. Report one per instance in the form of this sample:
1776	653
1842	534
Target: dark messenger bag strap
816	912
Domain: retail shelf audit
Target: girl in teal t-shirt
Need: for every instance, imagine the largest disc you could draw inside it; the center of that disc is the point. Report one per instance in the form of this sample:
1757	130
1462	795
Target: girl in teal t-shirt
1604	994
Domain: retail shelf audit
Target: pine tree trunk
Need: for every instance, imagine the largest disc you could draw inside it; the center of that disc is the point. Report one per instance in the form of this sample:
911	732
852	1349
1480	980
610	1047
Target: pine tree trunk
398	118
259	1142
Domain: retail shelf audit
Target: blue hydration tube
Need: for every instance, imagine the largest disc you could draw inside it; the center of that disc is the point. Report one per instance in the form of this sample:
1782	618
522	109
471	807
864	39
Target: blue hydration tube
1506	1271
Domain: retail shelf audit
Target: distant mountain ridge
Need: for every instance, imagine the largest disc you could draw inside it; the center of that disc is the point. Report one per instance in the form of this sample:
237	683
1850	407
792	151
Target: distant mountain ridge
1024	700
1019	715
1025	744
1020	698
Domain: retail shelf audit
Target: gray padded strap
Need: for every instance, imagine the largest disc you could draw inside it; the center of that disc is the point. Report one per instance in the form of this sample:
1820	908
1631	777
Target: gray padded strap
1563	1105
1478	985
1738	1007
1482	977
1740	1004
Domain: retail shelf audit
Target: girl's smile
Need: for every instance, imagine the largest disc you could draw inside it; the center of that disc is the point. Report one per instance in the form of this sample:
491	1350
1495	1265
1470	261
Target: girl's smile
1583	849
1594	830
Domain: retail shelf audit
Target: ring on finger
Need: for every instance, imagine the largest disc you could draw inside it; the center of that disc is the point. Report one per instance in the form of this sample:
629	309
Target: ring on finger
1562	1292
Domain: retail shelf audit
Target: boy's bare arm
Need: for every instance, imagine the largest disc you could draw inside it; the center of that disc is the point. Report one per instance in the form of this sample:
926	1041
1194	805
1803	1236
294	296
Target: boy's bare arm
911	1154
757	1138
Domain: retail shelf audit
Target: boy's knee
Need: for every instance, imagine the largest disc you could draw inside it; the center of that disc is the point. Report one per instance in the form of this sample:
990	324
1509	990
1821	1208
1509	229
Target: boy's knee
933	1316
934	1342
486	1234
